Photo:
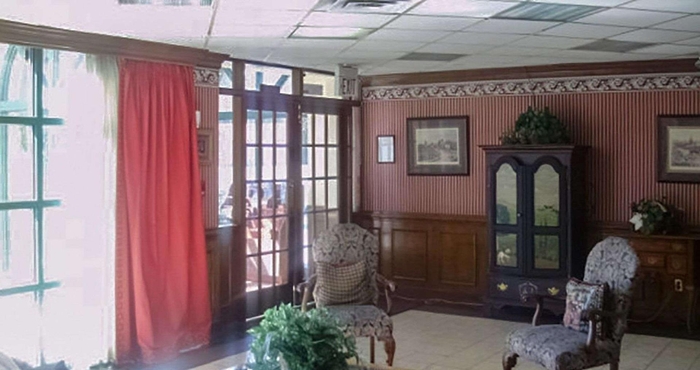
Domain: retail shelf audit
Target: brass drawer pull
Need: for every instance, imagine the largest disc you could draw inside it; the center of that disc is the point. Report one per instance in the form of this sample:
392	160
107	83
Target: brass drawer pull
553	291
502	287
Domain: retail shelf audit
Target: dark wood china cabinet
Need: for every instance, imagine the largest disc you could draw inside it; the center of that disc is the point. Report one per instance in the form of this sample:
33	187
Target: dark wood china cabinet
536	211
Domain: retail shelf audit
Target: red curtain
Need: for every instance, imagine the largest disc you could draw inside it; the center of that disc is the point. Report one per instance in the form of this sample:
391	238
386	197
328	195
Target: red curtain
162	293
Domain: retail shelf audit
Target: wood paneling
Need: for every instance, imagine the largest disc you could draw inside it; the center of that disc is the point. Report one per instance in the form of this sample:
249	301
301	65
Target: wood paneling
409	255
530	72
620	128
431	256
56	38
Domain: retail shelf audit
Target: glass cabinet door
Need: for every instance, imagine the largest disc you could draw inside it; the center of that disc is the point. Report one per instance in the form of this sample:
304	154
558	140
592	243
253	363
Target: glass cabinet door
506	222
546	221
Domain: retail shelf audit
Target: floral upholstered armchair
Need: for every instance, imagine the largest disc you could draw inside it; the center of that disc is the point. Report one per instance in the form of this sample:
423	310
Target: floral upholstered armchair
347	245
556	347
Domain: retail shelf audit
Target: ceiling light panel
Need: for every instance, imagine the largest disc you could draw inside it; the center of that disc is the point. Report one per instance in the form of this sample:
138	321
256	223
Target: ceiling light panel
683	6
628	17
510	26
585	30
547	12
329	32
326	19
656	36
613	46
464	8
365	6
418	22
401	35
690	23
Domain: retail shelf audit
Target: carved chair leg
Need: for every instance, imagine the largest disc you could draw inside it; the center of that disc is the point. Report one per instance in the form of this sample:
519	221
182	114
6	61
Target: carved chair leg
390	348
615	365
371	350
509	360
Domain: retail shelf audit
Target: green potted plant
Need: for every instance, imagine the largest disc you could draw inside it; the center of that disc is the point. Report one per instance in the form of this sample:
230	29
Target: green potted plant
650	216
290	339
536	126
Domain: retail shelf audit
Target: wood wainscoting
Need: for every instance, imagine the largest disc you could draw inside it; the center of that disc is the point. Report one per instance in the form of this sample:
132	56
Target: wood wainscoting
431	256
226	277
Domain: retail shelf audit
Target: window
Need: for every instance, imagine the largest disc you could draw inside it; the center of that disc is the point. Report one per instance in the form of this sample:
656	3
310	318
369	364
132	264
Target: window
53	192
225	160
257	75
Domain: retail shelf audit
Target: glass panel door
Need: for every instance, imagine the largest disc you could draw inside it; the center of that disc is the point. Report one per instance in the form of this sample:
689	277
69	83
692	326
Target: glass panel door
506	219
547	231
320	179
267	208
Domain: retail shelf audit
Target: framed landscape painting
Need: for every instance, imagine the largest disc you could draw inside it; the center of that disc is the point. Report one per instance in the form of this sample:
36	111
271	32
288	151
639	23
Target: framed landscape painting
438	146
678	149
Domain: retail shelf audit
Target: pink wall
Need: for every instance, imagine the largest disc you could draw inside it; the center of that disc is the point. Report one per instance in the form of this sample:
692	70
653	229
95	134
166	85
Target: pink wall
620	127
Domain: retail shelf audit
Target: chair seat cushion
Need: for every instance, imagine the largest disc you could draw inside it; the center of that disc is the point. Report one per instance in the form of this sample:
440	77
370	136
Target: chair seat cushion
363	321
558	348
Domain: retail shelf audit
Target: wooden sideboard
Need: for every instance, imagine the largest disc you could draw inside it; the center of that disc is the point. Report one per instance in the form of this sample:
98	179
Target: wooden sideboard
665	289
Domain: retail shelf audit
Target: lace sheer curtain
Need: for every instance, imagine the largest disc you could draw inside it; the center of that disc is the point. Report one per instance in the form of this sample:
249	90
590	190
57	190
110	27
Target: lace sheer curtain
75	320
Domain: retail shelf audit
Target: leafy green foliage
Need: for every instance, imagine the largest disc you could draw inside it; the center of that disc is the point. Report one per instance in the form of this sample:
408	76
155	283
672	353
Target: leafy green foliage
536	126
307	341
655	217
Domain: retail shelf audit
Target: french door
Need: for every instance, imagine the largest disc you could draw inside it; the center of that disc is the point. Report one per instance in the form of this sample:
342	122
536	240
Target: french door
293	191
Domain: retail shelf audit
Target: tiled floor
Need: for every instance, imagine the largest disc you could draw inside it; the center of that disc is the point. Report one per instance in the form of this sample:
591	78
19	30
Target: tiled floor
437	341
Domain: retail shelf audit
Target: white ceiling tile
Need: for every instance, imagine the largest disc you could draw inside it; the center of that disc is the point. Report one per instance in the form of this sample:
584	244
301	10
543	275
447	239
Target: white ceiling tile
585	30
533	61
317	44
628	17
695	41
481	38
298	53
683	6
655	36
410	66
192	42
445	48
400	35
417	22
466	8
234	5
371	54
510	26
245	42
387	45
608	3
551	42
249	53
689	23
249	31
669	49
349	33
326	19
521	51
263	18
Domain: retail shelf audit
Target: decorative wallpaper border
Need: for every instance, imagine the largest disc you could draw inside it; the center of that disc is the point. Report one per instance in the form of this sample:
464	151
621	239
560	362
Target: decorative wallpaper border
206	77
684	81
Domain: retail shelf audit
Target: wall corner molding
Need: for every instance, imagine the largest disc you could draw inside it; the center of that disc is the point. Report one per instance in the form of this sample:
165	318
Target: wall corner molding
539	86
206	77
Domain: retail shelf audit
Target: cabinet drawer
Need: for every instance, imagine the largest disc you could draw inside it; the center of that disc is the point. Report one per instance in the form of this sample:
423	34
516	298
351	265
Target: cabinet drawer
677	264
652	259
646	245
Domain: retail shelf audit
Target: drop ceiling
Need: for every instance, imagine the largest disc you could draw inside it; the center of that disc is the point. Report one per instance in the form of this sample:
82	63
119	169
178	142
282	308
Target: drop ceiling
405	36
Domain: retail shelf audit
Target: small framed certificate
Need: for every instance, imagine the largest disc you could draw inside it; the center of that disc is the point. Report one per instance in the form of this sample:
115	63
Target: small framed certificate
385	149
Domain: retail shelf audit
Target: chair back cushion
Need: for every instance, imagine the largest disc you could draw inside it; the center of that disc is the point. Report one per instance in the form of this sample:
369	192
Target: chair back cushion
582	296
342	285
614	262
345	244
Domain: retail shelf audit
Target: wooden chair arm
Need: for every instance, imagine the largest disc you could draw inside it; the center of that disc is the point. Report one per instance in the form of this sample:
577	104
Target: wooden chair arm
305	288
539	298
595	316
389	287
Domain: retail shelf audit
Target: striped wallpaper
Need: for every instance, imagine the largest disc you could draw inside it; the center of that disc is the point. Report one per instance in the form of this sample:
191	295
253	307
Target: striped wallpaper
620	127
207	102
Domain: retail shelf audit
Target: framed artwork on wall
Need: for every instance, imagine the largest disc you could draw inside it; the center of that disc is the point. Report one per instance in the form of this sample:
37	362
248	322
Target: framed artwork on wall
385	149
205	145
678	149
438	146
